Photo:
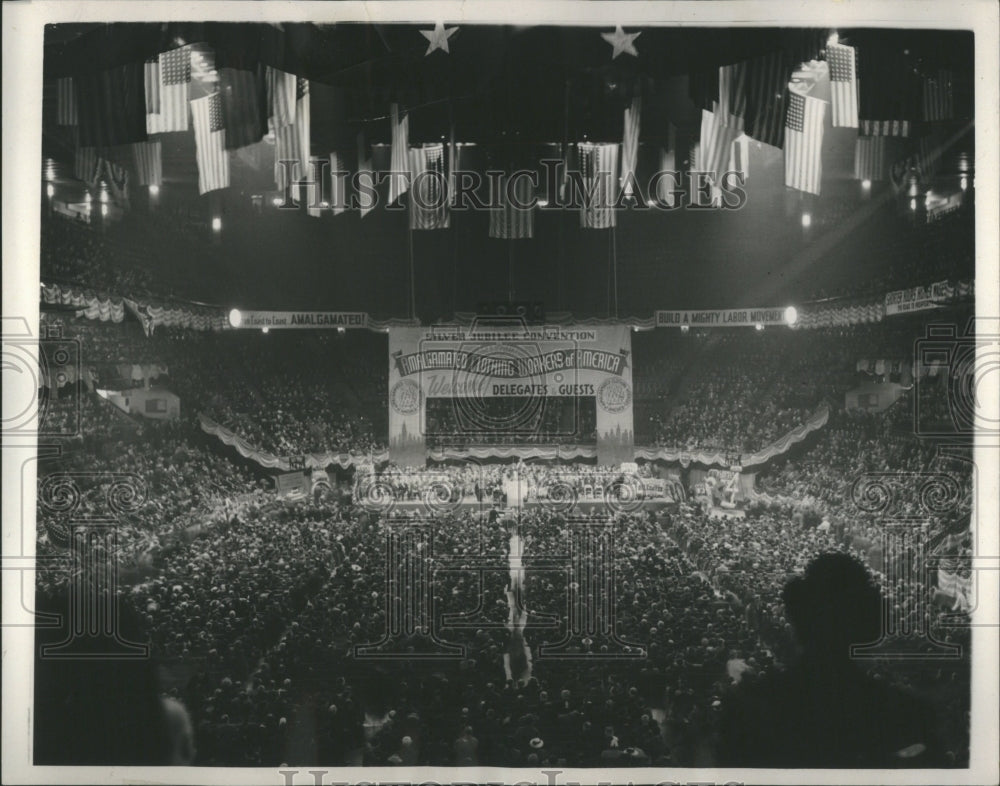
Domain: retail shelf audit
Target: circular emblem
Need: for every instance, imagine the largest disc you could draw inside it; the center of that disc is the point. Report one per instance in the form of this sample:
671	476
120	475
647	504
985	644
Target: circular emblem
614	395
405	397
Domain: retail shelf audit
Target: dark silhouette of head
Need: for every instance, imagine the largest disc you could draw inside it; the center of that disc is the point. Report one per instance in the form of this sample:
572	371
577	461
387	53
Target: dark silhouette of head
833	605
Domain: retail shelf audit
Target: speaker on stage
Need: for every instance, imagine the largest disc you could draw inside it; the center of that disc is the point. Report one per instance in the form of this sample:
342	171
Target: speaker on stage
532	311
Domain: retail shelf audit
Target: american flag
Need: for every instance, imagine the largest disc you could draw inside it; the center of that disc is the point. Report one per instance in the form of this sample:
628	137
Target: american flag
804	142
599	167
87	165
715	144
338	192
630	144
514	219
869	158
366	178
173	89
66	102
732	105
767	97
843	85
281	91
293	142
399	164
429	192
938	100
148	162
888	92
210	143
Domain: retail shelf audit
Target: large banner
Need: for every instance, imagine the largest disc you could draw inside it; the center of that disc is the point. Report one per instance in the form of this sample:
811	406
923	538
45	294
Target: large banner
721	317
499	358
300	320
904	301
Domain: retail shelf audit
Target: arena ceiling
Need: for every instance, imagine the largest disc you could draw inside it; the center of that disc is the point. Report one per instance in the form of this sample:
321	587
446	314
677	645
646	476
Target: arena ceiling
516	90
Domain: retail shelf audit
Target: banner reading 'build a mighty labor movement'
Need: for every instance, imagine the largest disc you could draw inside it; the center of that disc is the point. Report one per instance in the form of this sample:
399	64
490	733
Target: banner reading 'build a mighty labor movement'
535	368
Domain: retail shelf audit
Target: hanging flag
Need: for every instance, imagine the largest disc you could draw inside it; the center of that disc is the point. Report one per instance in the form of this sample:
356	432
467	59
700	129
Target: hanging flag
281	96
630	144
715	144
210	143
243	86
171	80
429	188
292	143
141	312
366	178
767	97
87	166
515	218
148	159
338	191
888	93
117	179
111	106
66	102
930	149
938	99
599	167
804	142
869	158
399	175
843	85
732	103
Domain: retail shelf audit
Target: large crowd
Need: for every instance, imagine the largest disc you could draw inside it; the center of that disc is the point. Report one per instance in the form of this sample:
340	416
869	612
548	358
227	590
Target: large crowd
255	605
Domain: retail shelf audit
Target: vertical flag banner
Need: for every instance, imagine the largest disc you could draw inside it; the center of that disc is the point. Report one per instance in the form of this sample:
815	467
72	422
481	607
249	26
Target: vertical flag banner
292	142
172	86
338	190
111	106
281	88
804	142
599	167
715	143
66	114
148	158
87	166
515	218
151	76
630	144
888	92
767	97
366	178
843	85
938	98
399	163
869	158
210	143
732	104
243	86
429	188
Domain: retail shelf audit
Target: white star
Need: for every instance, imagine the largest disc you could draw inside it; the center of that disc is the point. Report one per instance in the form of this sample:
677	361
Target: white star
438	37
622	42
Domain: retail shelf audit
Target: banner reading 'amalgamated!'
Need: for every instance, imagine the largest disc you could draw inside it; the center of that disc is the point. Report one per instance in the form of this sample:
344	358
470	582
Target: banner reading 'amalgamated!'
301	319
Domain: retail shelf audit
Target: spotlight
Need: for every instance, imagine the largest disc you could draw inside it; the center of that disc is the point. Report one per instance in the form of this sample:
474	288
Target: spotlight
235	318
104	210
806	221
276	201
154	190
791	315
866	184
50	190
217	224
963	183
341	329
104	196
543	203
759	326
913	204
685	328
265	330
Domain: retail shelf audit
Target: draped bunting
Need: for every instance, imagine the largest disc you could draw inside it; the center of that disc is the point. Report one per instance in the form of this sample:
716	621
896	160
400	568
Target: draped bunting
112	309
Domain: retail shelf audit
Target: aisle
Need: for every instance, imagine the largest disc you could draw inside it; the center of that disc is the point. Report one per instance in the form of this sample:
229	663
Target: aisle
517	659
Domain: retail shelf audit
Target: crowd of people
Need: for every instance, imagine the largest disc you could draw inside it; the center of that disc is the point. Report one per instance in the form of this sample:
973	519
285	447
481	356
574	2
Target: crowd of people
276	621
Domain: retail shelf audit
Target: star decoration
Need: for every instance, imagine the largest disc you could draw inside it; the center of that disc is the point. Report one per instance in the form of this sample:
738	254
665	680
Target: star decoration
622	42
438	37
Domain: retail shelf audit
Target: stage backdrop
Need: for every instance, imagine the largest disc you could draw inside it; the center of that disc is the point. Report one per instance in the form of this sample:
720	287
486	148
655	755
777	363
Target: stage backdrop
489	359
